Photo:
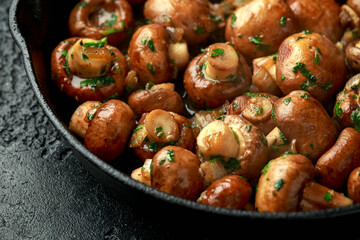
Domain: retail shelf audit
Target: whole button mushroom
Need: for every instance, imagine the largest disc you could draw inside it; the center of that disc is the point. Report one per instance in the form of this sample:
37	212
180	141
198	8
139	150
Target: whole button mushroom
310	62
347	107
256	108
101	18
175	170
110	129
88	69
82	116
236	143
353	185
282	182
321	16
196	20
333	168
287	185
352	53
258	27
301	118
231	191
218	75
154	57
158	129
160	96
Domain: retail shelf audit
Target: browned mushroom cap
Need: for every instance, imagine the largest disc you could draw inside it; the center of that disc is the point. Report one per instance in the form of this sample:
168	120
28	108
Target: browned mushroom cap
218	75
282	182
158	129
333	168
109	130
191	16
148	54
175	171
256	108
258	27
321	16
231	191
103	69
347	107
101	18
353	185
311	62
157	97
301	118
236	143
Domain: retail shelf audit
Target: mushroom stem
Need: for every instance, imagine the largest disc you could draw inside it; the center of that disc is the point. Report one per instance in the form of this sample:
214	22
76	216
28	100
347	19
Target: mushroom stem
89	58
161	126
277	143
257	109
217	139
179	55
264	77
316	197
222	62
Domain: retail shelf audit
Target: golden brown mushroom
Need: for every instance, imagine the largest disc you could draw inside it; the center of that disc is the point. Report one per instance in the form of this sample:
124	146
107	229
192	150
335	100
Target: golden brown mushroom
88	69
320	16
311	62
193	17
110	129
258	27
101	18
175	170
218	75
333	168
301	118
158	129
353	185
231	191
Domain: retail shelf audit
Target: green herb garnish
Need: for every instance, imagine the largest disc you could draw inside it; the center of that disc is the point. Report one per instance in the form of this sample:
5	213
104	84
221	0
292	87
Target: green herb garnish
217	52
97	82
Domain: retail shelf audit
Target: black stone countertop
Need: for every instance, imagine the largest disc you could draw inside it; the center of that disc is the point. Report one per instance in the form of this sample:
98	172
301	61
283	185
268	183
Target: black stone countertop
45	192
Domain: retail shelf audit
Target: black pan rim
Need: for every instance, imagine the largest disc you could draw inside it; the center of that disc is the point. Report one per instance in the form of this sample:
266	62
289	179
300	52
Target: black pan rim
127	180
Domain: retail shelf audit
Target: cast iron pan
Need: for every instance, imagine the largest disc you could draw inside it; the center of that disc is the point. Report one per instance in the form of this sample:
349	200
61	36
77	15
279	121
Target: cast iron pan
37	27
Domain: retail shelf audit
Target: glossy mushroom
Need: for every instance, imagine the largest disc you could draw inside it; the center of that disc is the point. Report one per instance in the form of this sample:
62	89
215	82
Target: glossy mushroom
97	19
256	108
286	185
110	129
347	106
175	170
88	69
218	75
231	192
301	118
310	62
154	57
158	129
353	185
236	143
333	168
320	16
161	96
192	17
258	27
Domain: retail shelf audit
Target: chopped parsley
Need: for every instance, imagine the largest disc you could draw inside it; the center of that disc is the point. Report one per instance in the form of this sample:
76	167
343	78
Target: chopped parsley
200	30
99	44
97	82
235	135
230	165
257	40
337	109
138	128
305	96
233	20
286	101
355	118
328	197
151	69
283	21
217	52
278	184
170	155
